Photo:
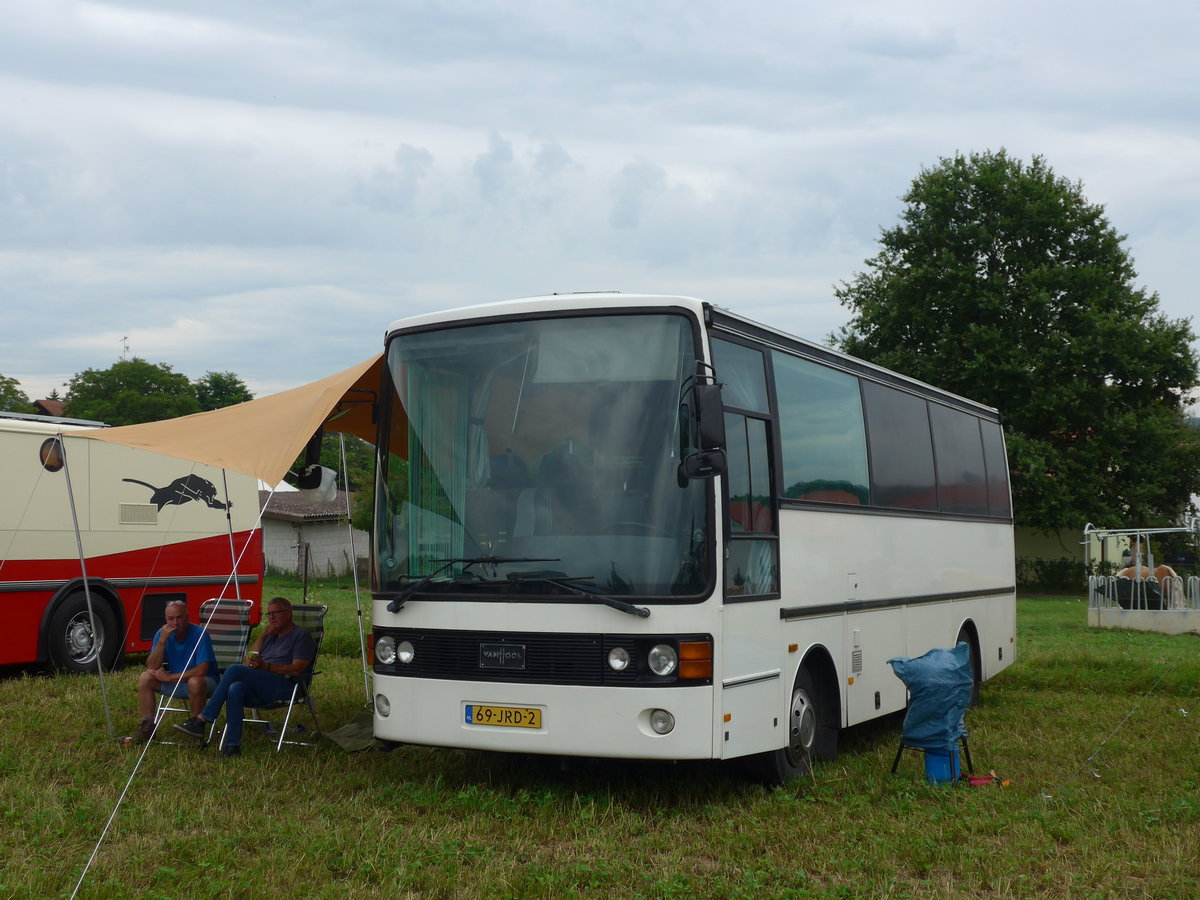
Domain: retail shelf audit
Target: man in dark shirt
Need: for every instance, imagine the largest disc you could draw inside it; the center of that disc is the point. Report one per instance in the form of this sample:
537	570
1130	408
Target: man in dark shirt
282	649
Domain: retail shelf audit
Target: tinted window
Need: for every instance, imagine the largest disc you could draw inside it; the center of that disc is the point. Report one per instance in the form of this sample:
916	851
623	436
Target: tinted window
751	568
902	473
961	477
999	500
742	372
750	505
821	430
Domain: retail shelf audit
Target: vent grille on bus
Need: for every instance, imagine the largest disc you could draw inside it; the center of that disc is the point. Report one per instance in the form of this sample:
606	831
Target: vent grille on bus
138	514
548	658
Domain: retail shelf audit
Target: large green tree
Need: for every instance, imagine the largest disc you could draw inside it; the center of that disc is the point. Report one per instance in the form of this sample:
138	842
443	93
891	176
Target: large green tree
1004	284
217	390
12	398
129	392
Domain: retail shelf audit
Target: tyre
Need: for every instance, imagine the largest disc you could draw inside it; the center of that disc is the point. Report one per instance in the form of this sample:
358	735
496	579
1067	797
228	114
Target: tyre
72	642
810	737
966	637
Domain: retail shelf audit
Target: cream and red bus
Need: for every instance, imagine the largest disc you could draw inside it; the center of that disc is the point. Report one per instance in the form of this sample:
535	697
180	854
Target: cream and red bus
152	528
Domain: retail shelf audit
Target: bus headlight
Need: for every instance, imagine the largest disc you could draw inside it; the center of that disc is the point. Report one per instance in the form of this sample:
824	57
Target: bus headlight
662	659
385	649
383	706
618	659
405	652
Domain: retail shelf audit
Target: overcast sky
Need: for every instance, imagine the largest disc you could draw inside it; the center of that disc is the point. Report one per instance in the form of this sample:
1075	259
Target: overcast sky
263	187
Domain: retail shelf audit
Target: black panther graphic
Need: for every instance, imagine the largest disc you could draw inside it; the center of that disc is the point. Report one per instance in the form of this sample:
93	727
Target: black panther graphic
183	489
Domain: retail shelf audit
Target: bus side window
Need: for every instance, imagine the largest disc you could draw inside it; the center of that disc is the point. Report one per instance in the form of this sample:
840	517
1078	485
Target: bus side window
752	564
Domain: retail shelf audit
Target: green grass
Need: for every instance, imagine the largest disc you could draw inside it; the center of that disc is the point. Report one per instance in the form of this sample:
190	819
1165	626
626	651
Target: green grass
1097	731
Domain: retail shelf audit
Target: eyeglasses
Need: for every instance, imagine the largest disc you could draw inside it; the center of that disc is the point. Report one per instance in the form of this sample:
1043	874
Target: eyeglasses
276	612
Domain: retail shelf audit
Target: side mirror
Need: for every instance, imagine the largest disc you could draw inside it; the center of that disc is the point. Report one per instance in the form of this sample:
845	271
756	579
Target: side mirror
704	464
710	417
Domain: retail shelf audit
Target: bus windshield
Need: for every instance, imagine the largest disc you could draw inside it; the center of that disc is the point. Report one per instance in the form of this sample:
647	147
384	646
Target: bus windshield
541	454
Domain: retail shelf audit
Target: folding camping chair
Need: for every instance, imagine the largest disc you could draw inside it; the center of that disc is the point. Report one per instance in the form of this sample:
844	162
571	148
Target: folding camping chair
311	618
228	624
940	685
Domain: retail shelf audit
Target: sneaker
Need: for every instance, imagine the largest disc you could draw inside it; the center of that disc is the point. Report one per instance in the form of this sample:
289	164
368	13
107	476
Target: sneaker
193	728
231	750
144	731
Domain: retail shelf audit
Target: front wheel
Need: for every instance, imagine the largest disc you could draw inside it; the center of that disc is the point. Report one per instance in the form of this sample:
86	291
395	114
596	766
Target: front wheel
810	736
73	642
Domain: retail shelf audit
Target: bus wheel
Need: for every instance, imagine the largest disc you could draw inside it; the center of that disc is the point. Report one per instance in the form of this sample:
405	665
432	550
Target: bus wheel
966	637
808	738
72	642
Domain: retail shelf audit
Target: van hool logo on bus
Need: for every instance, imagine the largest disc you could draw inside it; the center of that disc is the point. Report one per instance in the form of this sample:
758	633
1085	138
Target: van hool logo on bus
182	490
502	656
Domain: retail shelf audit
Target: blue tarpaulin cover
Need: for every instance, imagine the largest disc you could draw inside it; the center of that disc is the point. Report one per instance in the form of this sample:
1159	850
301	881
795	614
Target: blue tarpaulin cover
939	684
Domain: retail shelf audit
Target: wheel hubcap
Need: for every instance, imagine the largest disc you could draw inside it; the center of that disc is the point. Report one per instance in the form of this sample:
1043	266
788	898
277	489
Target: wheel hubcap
81	642
803	726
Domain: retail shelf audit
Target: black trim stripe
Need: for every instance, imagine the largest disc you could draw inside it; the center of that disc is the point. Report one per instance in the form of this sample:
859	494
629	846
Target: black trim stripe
791	613
13	587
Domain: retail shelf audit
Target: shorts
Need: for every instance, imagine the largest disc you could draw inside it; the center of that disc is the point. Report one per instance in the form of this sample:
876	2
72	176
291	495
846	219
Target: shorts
180	689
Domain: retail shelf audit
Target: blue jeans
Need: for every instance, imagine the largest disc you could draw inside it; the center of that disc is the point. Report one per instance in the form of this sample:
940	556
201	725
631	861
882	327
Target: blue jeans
242	686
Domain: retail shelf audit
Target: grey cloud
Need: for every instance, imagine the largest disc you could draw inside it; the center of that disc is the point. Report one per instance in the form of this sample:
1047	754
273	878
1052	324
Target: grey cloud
394	188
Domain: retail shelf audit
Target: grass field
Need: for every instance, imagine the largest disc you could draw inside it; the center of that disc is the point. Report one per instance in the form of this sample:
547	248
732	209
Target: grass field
1098	733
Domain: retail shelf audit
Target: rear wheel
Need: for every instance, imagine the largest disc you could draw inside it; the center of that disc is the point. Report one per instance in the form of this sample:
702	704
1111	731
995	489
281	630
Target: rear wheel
72	640
810	736
965	636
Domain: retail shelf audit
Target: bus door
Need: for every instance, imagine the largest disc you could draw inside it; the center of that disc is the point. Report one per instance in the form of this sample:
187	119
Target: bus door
753	693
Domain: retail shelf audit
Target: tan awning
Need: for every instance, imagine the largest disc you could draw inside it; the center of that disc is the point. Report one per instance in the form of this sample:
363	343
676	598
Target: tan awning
263	437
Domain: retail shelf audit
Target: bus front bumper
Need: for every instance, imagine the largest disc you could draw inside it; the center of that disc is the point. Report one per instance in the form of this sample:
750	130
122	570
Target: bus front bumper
628	722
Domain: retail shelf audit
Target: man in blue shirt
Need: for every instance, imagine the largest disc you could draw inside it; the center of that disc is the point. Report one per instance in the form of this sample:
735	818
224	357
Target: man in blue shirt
181	664
283	649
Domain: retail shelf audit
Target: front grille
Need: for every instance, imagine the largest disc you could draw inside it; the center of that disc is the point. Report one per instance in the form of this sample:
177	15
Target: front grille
549	658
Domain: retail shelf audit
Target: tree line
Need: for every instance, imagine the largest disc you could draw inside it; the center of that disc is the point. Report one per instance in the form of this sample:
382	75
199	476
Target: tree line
133	391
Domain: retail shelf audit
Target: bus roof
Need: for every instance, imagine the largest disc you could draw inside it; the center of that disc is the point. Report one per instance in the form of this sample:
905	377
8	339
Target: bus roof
582	300
30	423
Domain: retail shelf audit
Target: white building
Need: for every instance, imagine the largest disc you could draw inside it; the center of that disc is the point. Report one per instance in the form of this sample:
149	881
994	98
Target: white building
293	524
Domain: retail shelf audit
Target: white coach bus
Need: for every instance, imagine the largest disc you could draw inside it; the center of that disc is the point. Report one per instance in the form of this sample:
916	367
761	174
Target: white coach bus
631	526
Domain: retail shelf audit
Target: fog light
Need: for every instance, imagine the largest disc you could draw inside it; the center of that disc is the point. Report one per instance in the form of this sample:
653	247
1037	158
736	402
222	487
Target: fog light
383	706
405	652
662	659
618	659
662	721
385	650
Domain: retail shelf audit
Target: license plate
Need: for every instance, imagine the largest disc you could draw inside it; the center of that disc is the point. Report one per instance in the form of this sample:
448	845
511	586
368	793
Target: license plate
510	716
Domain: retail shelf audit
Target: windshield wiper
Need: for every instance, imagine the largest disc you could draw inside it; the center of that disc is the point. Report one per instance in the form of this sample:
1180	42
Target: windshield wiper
564	582
399	600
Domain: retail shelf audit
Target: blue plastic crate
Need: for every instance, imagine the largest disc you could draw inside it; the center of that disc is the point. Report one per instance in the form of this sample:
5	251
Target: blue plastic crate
941	766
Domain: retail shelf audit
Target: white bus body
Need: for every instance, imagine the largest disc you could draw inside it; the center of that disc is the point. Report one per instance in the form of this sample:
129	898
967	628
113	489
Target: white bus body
153	528
550	536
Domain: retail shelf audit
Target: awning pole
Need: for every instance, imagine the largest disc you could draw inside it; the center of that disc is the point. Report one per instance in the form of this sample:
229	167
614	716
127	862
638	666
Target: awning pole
362	643
237	588
87	592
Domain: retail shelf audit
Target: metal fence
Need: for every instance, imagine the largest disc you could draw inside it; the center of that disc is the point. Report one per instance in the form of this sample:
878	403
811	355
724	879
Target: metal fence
1171	592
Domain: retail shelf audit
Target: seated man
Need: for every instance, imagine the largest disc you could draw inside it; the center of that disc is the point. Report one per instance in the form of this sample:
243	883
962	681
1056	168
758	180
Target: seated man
181	663
282	649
